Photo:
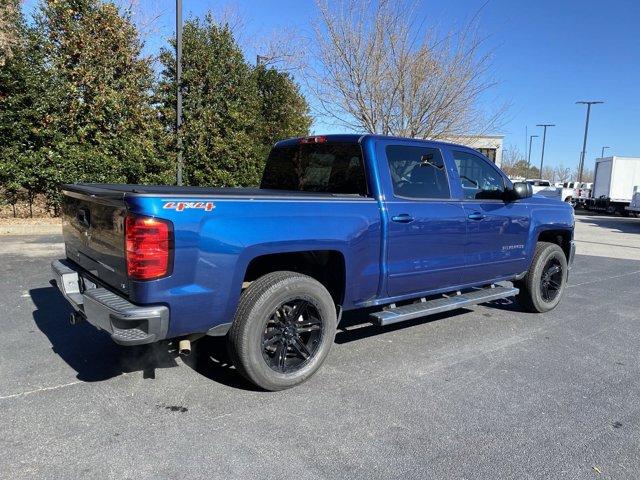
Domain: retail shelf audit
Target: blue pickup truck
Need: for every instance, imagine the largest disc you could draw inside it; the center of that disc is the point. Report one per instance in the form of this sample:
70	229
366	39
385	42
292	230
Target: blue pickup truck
400	227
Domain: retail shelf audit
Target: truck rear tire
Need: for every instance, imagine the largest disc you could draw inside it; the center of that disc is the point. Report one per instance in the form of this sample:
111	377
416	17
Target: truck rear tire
542	287
283	330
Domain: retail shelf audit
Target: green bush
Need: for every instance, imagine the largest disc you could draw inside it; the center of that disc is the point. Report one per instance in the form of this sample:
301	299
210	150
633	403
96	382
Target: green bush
80	103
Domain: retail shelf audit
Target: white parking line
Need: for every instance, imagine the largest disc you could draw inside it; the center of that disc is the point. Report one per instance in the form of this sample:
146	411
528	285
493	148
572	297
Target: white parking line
43	389
604	279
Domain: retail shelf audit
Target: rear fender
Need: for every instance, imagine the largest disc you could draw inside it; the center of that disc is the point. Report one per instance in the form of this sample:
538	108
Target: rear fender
255	251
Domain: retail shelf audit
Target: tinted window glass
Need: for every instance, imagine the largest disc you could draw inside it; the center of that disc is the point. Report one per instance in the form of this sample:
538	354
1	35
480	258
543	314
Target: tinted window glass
479	179
417	172
328	167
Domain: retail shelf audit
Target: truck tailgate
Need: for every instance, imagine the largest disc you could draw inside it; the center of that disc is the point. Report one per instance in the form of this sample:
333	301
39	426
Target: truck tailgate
94	235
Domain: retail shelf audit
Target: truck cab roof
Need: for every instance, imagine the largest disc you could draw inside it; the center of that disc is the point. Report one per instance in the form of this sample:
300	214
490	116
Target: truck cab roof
359	138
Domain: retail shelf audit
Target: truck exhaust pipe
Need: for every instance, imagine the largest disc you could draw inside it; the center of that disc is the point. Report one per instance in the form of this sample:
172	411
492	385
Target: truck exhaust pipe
184	347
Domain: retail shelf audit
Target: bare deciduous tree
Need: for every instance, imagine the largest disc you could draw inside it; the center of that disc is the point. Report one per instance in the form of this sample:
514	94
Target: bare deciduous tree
515	165
377	67
548	173
562	173
511	158
587	175
284	49
145	15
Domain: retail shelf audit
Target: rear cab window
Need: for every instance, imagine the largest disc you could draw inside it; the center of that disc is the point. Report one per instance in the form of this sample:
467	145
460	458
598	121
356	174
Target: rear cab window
335	168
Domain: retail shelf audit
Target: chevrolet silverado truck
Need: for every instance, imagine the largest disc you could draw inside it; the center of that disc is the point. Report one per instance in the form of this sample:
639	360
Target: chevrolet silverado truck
400	227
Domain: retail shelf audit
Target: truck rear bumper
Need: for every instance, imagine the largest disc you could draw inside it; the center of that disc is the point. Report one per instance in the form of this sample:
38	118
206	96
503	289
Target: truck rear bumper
128	324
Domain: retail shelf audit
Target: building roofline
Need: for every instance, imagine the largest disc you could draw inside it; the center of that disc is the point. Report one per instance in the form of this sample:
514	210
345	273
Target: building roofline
477	136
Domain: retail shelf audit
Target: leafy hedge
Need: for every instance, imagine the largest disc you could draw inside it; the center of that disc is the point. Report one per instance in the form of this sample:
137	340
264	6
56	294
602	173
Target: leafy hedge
80	103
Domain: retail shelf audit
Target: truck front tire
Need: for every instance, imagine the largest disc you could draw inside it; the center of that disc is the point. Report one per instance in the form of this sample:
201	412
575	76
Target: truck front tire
543	286
283	330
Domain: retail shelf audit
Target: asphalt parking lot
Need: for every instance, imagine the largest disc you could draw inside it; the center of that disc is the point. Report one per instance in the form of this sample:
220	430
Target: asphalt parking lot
488	392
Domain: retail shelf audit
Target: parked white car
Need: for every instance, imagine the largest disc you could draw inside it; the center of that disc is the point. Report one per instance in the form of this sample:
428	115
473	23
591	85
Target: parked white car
568	192
575	192
544	188
538	184
582	192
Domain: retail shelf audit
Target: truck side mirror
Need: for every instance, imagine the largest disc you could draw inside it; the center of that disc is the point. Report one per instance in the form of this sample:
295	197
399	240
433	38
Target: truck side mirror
520	190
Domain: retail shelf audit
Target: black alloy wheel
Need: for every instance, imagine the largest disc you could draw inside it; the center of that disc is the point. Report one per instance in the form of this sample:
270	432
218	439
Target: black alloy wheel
542	286
551	280
292	336
283	329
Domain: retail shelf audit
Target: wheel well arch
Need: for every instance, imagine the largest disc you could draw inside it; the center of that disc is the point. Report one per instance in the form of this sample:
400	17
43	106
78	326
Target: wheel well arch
560	237
326	266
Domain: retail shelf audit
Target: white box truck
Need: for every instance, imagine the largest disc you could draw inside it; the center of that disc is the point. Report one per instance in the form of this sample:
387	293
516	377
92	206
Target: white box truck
613	184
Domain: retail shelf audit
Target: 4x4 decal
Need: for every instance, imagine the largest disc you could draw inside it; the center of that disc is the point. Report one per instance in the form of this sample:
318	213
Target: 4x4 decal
180	206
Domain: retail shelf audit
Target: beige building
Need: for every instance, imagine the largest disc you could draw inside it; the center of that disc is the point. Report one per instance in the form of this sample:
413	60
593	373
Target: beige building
489	145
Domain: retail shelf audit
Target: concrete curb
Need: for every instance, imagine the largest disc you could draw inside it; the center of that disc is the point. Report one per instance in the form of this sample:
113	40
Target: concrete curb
34	229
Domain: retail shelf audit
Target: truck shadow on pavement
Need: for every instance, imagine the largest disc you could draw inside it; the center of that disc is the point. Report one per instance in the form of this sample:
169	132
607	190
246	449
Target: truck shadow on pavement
356	326
95	357
211	360
619	224
210	357
90	352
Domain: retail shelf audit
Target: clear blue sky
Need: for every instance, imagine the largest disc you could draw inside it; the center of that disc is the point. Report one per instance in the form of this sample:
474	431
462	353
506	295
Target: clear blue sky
548	54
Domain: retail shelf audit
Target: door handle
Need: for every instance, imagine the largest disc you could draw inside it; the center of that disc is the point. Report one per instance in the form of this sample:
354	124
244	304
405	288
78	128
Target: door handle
476	216
402	218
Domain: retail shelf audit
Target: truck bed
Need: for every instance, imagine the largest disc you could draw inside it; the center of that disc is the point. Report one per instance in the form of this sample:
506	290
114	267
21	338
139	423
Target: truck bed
120	189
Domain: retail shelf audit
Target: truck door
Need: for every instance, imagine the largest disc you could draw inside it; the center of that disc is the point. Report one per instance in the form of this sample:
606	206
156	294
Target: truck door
426	228
497	230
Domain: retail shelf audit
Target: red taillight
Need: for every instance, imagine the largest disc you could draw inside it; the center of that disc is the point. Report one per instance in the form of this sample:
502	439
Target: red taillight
313	139
147	247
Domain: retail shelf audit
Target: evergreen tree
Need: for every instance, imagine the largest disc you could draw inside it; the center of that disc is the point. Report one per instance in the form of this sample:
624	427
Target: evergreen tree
104	128
284	112
232	112
77	103
220	103
24	116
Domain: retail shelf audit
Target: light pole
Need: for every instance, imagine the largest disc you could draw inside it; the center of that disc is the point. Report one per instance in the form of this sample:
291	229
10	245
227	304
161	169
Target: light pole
586	130
602	154
179	88
544	140
529	156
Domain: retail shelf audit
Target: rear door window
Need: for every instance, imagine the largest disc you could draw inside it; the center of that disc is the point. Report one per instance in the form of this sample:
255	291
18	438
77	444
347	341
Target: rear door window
417	172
